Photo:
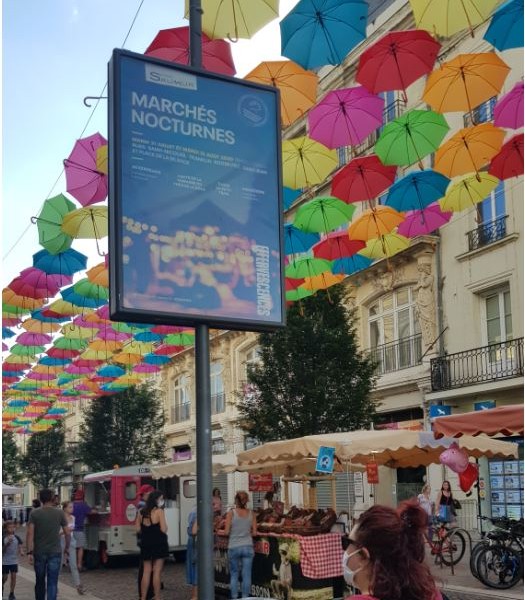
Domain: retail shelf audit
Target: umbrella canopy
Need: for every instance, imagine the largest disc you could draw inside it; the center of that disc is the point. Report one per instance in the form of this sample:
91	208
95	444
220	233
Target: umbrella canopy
374	223
396	60
417	190
508	111
423	222
221	463
307	267
465	82
351	264
23	302
306	162
337	245
508	162
297	87
468	191
322	32
506	26
49	221
99	275
411	137
385	246
322	281
468	150
36	284
345	117
297	241
173	45
506	420
447	17
84	181
324	213
363	179
66	263
87	288
87	223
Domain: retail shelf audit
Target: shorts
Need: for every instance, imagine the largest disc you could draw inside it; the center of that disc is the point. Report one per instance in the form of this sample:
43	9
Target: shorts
9	569
80	539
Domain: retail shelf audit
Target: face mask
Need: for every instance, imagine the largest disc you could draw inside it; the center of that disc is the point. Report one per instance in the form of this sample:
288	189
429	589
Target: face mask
348	574
160	503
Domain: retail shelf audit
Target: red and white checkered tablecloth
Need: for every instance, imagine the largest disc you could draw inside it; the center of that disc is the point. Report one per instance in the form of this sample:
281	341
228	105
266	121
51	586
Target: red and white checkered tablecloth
321	556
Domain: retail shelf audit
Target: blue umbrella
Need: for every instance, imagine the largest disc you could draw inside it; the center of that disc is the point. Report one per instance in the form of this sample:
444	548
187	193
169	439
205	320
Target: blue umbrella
350	264
506	27
7	333
37	314
417	190
51	361
70	295
290	196
147	336
64	263
296	241
322	32
110	371
156	359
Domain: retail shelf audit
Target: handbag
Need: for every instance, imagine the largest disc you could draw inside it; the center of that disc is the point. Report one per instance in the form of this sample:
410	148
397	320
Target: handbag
456	504
444	513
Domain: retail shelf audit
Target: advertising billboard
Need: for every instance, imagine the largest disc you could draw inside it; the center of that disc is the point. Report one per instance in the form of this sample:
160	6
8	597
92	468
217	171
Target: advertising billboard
195	197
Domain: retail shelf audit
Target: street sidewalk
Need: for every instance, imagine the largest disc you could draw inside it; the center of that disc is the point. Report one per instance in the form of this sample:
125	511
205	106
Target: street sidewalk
25	588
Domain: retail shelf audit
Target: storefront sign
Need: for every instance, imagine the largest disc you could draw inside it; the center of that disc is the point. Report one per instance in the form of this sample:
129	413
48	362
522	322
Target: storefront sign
372	472
260	482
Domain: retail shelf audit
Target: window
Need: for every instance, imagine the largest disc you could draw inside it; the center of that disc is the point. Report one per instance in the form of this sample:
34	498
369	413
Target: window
498	316
218	446
253	356
250	442
217	388
130	490
480	114
181	400
493	207
492	219
189	488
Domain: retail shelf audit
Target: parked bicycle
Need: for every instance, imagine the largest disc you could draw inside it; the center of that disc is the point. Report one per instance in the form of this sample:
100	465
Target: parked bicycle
447	544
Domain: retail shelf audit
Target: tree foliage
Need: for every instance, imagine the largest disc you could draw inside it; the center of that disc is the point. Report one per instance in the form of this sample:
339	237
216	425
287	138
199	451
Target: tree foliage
45	459
123	429
11	458
312	378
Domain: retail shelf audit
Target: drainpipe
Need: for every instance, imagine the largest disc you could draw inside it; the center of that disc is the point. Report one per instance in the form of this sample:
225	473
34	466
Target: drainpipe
439	296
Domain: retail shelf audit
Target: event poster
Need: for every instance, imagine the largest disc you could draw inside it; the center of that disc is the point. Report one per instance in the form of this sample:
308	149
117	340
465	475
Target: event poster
195	161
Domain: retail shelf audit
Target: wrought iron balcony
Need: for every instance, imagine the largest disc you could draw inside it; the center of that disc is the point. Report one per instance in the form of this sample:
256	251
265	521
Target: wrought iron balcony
398	355
487	233
218	403
480	114
180	412
480	365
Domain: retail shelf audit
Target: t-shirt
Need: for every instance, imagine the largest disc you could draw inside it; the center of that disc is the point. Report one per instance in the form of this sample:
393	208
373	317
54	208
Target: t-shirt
47	522
10	550
80	511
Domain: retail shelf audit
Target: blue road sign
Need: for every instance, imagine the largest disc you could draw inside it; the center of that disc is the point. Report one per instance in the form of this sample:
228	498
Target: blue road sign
485	405
325	459
440	410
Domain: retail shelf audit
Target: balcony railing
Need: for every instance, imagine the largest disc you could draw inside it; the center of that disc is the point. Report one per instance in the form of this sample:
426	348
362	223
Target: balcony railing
218	403
487	233
180	412
397	355
480	114
488	363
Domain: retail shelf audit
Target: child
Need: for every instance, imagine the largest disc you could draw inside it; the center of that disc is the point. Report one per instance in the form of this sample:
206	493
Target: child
11	550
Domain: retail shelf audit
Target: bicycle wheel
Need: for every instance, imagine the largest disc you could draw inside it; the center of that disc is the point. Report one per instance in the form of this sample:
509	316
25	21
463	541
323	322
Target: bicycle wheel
476	551
453	548
500	567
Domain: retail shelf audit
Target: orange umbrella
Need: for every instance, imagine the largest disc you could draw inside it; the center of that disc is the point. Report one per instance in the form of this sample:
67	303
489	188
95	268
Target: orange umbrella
9	297
321	282
465	82
374	223
298	87
99	275
37	326
469	149
105	345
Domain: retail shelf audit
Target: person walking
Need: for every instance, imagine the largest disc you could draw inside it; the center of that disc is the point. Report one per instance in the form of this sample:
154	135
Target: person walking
143	493
216	502
427	504
151	522
11	550
43	545
67	507
240	527
81	510
445	504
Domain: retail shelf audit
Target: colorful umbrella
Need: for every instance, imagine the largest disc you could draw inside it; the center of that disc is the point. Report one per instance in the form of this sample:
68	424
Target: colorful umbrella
468	150
23	302
396	60
322	32
297	87
84	287
87	223
68	262
289	197
447	17
411	137
298	294
111	371
38	284
417	190
374	223
351	264
180	339
84	181
297	241
173	45
307	267
345	117
385	246
423	222
156	359
465	82
39	326
468	191
508	162
7	333
322	281
506	26
49	221
508	111
306	162
324	213
99	275
337	245
145	368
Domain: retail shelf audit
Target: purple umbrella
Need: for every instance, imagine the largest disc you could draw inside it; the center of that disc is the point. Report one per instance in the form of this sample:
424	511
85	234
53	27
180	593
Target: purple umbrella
423	222
33	339
508	111
145	368
83	179
345	117
106	332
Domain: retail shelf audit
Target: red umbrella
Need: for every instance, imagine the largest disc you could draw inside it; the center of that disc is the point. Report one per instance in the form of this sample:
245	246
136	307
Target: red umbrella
337	245
396	60
508	162
173	45
362	179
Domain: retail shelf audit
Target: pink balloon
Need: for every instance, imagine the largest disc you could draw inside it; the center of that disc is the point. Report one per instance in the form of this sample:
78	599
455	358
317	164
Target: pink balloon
455	458
468	477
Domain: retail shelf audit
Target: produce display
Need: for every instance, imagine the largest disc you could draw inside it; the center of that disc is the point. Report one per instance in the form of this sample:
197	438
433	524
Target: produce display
301	521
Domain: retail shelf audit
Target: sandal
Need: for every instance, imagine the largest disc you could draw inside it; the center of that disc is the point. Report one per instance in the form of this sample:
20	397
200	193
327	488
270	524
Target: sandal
81	590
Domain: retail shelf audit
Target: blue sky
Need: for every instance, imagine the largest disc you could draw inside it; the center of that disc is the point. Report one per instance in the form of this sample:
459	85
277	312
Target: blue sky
54	54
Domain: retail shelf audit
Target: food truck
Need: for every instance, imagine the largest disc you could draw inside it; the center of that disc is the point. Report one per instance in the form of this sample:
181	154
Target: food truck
114	495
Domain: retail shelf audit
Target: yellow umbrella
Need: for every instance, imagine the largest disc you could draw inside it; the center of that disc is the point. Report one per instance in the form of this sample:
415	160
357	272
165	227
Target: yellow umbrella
306	162
297	86
102	159
62	307
75	332
321	282
15	359
465	82
385	246
37	326
446	17
25	302
48	369
468	191
235	19
91	354
86	223
105	345
374	223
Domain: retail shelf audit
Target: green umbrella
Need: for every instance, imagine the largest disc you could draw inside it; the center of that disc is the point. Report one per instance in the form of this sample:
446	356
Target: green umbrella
411	137
86	288
180	339
298	294
307	267
49	221
324	213
16	311
21	350
65	343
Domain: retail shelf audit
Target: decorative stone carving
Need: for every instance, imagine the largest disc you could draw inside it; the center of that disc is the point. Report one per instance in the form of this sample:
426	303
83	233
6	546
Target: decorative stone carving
387	280
425	300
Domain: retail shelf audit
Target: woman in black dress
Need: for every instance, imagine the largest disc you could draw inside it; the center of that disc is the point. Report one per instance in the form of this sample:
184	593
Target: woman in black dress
151	523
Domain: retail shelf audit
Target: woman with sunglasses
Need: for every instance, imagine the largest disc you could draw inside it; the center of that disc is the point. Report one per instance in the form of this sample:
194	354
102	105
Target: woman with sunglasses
385	557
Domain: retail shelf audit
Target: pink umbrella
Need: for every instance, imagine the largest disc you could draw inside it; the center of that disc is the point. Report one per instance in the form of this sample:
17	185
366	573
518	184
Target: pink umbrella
423	222
108	333
83	180
33	339
173	45
508	111
345	117
81	321
337	245
5	348
41	376
10	321
145	368
103	312
167	329
74	369
35	283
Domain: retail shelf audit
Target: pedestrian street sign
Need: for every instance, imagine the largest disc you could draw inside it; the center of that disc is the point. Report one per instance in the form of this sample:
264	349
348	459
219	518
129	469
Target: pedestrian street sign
440	410
325	460
485	405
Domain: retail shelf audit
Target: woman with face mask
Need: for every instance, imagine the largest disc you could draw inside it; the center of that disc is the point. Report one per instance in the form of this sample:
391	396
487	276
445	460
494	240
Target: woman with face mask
385	557
151	523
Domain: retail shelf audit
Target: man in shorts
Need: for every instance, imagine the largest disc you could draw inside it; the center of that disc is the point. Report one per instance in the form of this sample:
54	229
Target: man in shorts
81	510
